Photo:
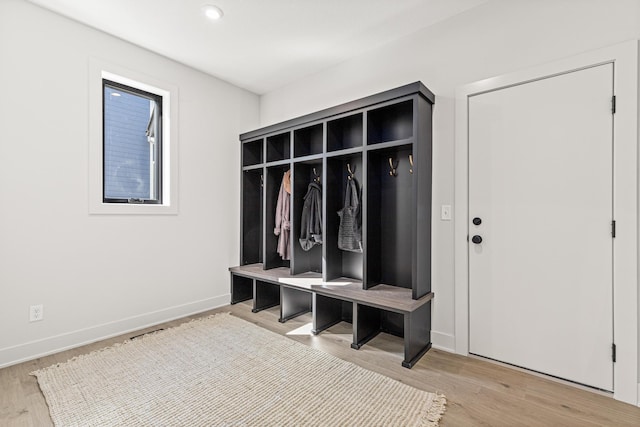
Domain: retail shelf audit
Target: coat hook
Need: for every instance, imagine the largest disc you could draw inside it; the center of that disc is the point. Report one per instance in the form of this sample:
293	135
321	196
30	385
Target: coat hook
351	175
411	163
316	177
261	180
393	171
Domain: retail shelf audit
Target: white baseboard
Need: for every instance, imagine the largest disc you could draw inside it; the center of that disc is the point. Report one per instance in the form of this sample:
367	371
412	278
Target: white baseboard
55	344
445	342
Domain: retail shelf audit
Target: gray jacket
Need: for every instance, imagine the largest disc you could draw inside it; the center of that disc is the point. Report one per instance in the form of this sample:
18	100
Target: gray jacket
350	232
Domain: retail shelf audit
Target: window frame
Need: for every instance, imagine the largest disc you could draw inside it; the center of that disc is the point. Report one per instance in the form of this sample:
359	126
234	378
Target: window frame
157	149
100	69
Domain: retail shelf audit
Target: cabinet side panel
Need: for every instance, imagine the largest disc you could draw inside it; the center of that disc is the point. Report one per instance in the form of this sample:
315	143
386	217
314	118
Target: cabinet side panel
422	199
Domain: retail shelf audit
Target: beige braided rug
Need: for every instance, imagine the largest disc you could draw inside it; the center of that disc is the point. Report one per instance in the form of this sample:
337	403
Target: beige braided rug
224	371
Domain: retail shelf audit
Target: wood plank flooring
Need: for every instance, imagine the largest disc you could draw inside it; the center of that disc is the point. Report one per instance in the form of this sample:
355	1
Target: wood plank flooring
479	393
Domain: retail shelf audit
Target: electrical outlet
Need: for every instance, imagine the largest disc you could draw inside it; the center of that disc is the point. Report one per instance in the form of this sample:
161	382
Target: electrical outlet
36	313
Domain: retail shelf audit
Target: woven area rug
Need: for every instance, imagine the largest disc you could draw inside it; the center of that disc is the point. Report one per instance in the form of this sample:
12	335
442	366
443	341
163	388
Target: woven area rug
223	371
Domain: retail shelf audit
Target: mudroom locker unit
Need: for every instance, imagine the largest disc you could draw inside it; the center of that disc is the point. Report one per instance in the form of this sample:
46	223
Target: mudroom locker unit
369	263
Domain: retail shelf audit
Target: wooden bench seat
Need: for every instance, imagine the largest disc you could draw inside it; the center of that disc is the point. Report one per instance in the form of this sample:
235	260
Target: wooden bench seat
382	308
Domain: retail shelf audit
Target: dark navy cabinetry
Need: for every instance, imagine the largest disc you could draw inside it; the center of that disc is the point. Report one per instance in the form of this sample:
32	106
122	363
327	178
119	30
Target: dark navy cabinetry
383	142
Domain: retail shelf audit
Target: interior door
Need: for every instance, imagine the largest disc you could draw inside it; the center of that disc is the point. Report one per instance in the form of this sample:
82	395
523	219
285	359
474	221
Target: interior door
540	225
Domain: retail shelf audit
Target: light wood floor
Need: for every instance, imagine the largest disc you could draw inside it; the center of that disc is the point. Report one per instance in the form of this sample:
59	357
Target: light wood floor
479	393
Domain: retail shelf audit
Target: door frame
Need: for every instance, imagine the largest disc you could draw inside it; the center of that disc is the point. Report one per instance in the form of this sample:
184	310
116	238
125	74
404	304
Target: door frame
624	57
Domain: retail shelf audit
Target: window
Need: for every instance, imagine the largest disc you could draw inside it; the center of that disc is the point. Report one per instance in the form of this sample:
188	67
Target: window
133	142
132	145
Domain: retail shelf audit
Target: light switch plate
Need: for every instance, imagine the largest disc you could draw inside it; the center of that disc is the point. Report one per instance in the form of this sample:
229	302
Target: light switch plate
445	213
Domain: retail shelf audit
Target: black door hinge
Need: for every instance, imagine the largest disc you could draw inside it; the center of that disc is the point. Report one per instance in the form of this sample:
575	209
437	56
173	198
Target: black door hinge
613	229
613	104
613	352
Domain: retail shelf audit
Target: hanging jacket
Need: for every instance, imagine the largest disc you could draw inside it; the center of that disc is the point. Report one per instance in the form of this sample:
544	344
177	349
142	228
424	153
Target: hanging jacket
349	231
311	220
283	226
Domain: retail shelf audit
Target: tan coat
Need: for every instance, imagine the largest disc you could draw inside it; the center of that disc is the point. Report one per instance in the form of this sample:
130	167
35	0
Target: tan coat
283	213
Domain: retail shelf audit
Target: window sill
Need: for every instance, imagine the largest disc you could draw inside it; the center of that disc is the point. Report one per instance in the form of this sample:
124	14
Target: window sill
131	209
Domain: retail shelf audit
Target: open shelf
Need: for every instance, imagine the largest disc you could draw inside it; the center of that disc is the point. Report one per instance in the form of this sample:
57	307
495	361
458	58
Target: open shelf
345	132
389	219
308	141
279	147
390	123
340	263
252	182
252	153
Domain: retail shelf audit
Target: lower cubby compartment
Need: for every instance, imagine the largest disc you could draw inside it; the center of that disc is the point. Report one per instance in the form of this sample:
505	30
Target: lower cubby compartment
266	295
241	289
328	311
370	321
414	327
293	303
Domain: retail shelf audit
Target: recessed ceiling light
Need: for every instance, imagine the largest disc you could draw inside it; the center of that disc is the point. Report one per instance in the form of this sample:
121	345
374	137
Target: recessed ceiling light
212	12
115	94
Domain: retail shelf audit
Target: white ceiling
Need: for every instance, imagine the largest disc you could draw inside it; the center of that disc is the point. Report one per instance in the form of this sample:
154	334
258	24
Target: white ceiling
260	45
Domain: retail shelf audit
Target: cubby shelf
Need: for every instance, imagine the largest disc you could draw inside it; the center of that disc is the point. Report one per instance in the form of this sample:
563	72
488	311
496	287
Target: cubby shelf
383	144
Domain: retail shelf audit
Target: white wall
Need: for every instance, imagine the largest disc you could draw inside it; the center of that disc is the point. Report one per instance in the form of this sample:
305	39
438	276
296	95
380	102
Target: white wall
496	38
86	269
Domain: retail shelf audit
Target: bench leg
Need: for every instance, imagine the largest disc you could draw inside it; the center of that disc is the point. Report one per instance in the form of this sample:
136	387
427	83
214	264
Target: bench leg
417	335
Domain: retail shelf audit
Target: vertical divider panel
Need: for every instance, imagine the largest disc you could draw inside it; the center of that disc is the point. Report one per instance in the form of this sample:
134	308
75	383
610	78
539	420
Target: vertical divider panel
326	187
325	192
365	184
373	222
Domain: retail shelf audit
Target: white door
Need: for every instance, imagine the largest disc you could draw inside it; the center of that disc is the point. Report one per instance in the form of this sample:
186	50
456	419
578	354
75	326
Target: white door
540	182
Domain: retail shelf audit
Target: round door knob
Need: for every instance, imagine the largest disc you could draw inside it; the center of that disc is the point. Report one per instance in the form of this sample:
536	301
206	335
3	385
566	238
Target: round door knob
477	221
476	239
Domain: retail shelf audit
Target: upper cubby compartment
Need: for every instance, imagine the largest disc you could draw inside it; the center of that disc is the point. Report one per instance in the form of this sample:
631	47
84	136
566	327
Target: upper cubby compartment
390	123
252	153
345	132
307	141
279	147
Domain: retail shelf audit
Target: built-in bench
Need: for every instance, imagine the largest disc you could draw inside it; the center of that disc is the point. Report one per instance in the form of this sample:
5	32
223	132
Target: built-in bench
382	308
